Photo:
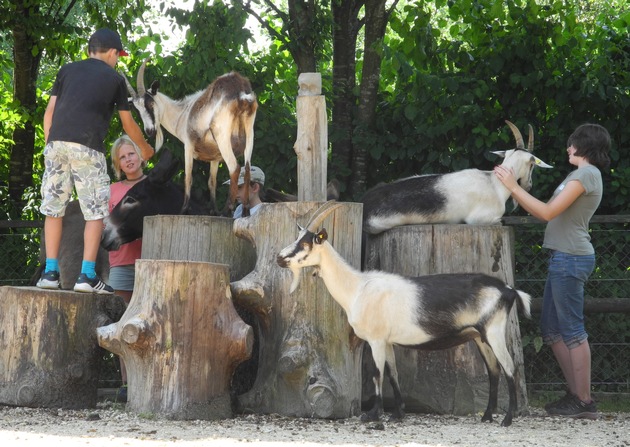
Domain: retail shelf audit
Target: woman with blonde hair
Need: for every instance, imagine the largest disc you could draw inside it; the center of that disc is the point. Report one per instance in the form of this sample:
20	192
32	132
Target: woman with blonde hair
128	166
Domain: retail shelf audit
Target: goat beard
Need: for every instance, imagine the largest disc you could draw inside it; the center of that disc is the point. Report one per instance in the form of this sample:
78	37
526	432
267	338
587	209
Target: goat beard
296	271
159	138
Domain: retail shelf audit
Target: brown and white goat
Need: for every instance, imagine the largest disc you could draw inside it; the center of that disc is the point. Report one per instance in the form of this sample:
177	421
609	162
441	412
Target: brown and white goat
215	124
470	196
428	312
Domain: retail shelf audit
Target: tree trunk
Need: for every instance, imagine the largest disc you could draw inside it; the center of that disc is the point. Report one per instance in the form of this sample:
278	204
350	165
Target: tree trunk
25	93
453	380
49	355
346	26
309	357
180	339
376	18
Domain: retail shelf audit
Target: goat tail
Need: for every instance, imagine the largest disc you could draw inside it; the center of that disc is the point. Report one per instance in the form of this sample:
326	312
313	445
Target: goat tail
524	303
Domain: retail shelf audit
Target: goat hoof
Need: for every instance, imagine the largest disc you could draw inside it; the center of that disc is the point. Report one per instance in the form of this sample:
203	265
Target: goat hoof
507	421
487	418
396	417
369	417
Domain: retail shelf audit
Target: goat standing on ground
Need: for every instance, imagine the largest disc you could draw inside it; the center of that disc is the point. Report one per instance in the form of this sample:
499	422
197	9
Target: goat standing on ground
470	196
428	312
215	124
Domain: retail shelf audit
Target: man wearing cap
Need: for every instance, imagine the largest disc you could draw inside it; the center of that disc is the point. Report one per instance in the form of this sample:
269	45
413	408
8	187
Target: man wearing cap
77	118
257	181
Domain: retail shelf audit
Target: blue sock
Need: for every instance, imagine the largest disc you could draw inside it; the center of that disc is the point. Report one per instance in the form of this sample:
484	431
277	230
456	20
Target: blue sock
52	265
89	268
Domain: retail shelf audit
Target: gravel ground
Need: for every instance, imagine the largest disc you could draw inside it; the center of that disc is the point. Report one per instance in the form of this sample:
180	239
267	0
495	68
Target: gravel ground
110	426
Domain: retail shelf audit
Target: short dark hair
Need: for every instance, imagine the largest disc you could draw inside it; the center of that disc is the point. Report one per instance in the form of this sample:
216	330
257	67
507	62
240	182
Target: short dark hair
592	142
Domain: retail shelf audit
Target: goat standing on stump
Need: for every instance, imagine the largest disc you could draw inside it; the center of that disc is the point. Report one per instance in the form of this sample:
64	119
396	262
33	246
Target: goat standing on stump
215	124
427	312
470	196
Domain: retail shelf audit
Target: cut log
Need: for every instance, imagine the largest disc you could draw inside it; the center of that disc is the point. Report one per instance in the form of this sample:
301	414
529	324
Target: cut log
309	357
180	339
312	139
197	238
49	355
453	380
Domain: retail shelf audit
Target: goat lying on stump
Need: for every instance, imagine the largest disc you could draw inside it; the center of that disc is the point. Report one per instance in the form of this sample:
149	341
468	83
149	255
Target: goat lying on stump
470	196
215	124
427	312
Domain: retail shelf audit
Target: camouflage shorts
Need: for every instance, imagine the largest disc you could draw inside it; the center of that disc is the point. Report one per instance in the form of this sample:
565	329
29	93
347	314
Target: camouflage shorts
72	165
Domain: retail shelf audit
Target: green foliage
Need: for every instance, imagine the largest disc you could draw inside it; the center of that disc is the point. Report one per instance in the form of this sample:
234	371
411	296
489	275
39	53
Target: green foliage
453	74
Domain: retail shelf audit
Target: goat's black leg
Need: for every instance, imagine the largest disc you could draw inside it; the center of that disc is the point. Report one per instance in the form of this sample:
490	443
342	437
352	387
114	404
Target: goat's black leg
378	354
375	412
507	420
494	369
496	341
390	368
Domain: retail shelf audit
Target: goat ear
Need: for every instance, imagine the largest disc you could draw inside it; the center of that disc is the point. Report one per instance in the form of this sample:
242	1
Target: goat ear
155	85
541	164
321	237
499	153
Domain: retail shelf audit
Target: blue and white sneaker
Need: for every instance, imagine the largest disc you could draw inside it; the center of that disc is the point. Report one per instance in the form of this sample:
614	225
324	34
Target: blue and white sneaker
92	285
49	280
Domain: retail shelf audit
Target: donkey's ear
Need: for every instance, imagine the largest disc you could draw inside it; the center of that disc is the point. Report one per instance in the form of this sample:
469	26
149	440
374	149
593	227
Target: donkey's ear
165	169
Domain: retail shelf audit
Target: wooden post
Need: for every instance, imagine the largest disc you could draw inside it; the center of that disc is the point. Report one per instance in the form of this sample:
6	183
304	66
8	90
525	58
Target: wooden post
309	358
453	380
49	356
180	339
312	138
197	238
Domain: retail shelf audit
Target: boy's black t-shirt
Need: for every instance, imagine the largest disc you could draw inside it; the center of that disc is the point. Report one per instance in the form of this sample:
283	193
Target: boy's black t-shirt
87	93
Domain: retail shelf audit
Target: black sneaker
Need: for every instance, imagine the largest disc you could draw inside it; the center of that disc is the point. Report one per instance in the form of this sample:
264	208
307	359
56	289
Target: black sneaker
575	408
552	405
92	285
48	280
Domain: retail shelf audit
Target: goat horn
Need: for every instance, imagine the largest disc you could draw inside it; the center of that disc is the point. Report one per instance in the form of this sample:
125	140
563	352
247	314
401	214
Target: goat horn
140	80
530	144
130	89
517	135
321	214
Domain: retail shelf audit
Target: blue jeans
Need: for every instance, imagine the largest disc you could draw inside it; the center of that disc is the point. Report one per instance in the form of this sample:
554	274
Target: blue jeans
563	301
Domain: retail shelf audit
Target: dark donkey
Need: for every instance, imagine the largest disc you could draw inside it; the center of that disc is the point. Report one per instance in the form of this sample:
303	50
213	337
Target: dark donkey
157	194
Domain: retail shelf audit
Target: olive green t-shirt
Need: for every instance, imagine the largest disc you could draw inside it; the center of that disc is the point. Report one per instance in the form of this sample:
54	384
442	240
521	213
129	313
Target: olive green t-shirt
568	232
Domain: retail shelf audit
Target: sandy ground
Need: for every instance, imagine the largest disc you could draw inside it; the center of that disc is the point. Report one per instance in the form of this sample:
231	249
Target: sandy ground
110	426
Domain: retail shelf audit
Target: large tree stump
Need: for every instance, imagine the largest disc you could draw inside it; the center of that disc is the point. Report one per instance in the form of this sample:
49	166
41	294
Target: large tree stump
453	380
180	339
197	238
309	358
49	356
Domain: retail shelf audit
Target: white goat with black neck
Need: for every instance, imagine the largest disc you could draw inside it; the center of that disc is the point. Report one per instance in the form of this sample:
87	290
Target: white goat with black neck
470	196
428	312
215	124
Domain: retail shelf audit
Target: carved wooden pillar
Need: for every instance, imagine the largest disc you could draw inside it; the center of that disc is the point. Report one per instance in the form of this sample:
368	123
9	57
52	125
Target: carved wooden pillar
309	358
180	339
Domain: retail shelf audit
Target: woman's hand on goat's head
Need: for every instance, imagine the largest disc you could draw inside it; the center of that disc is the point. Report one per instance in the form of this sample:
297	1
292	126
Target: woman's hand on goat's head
506	176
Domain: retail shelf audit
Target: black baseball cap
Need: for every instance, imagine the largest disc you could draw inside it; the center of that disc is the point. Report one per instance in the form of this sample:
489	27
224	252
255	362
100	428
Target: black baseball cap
106	38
